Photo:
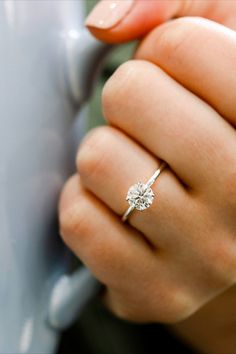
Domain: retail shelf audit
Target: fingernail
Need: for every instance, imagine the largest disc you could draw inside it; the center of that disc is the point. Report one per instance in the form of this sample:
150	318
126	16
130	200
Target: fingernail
108	13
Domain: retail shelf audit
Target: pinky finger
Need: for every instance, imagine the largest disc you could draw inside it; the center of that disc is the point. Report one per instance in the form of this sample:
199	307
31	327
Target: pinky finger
139	287
98	237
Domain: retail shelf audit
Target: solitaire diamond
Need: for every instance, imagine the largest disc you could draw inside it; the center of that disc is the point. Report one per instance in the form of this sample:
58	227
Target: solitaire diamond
139	196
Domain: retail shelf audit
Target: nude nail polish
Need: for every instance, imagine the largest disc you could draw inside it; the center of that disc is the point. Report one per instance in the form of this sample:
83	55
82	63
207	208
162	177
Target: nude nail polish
108	13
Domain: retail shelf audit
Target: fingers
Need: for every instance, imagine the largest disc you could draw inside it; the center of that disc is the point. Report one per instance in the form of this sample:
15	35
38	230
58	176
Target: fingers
94	233
177	222
110	162
145	103
200	55
120	258
120	21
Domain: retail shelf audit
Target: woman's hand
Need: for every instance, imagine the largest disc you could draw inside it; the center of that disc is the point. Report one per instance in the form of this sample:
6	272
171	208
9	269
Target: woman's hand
117	21
171	259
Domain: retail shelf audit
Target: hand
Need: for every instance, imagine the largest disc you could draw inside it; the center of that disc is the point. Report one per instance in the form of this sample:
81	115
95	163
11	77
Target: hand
117	21
171	259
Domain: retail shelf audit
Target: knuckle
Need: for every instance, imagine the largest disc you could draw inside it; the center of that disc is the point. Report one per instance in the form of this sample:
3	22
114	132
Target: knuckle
178	305
174	38
170	305
122	84
114	85
92	158
170	40
127	313
128	310
73	222
67	192
175	307
221	264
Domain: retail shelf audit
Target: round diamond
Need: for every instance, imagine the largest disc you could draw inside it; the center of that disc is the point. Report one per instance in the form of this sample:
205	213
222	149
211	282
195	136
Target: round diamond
139	196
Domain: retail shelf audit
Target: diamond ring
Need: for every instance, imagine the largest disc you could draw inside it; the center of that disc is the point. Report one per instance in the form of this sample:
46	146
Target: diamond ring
140	196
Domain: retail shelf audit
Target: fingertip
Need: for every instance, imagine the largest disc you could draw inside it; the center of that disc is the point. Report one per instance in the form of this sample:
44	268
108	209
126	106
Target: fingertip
132	21
112	36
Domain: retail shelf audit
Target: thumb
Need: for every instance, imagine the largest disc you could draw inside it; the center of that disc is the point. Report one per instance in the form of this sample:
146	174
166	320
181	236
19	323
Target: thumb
116	21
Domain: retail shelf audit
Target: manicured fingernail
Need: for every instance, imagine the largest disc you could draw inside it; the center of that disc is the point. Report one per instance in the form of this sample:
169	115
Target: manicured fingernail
108	13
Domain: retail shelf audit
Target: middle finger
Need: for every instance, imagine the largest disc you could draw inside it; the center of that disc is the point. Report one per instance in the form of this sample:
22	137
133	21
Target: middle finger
171	122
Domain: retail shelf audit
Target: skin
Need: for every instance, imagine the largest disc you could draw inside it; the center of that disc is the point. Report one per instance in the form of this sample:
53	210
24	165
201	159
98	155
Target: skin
146	15
174	263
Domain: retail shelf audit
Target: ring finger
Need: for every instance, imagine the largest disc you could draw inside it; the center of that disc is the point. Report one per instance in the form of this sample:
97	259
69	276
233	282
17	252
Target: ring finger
109	162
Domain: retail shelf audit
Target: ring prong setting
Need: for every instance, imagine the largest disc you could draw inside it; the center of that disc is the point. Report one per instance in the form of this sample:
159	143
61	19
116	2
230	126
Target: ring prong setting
140	196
